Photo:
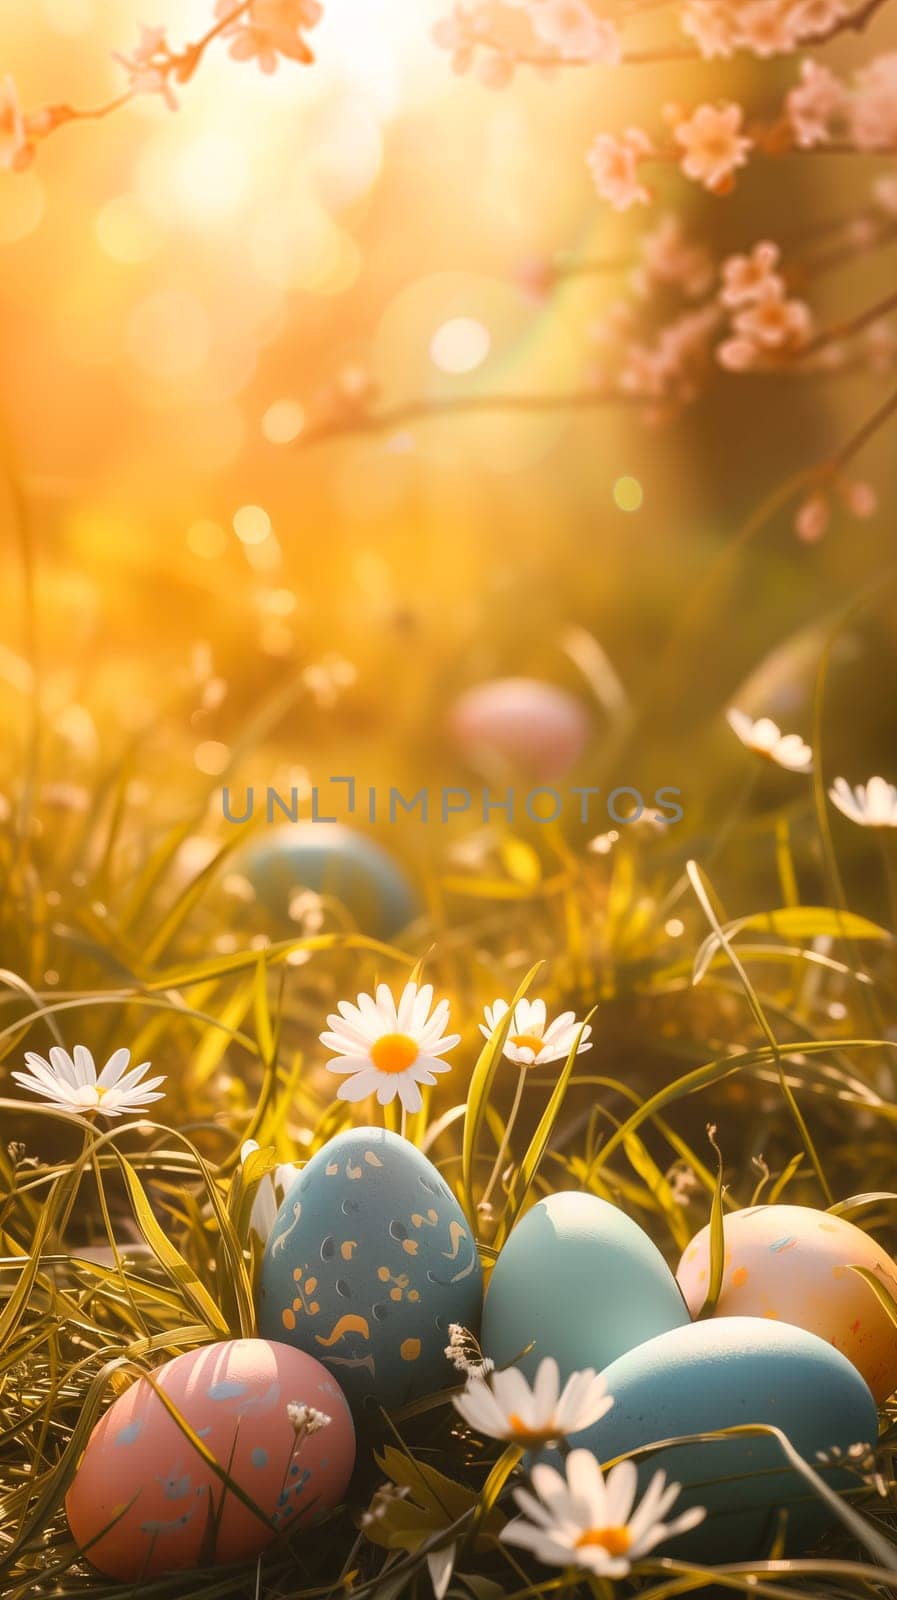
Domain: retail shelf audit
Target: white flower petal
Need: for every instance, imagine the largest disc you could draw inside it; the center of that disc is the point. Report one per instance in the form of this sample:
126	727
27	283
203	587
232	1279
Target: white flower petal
440	1565
408	1092
360	1086
346	1064
740	724
115	1066
64	1068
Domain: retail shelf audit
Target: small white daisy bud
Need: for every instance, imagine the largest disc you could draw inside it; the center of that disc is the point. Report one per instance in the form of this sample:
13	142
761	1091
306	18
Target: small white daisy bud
464	1352
306	1419
383	1498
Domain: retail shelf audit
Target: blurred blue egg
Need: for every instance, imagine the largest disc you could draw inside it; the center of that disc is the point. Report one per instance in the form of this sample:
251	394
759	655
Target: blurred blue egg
580	1280
717	1374
369	1260
334	860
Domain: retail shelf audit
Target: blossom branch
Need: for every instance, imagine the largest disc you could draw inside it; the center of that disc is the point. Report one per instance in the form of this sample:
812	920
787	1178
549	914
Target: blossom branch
360	420
154	67
845	330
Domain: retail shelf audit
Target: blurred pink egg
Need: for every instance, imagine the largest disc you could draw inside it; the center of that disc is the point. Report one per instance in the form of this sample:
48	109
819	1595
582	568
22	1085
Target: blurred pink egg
519	725
144	1501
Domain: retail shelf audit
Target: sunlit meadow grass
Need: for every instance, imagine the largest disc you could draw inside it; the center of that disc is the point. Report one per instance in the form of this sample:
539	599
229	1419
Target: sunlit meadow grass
733	1061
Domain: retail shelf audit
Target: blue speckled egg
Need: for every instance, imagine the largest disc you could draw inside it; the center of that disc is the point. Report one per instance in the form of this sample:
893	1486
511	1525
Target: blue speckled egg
717	1374
582	1282
369	1260
332	860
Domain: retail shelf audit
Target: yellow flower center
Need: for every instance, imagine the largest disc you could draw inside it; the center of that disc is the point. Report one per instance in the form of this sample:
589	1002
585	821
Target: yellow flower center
394	1052
616	1541
530	1438
528	1041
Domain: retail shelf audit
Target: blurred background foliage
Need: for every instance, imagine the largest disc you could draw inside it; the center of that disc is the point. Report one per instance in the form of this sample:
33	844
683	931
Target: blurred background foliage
177	289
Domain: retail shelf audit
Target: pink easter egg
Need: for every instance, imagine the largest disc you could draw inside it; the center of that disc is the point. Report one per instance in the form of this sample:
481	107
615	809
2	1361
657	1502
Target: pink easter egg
519	725
795	1264
144	1501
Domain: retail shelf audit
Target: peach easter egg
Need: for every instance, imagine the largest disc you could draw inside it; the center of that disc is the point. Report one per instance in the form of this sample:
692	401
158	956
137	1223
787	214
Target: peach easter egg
519	725
793	1264
145	1501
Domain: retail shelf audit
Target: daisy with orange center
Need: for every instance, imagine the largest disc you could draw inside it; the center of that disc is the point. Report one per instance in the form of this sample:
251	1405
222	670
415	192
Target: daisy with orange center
503	1406
584	1519
70	1082
530	1039
389	1048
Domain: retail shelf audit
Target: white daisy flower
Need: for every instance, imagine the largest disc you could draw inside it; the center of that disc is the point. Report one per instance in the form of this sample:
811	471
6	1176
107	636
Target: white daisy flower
531	1038
71	1082
587	1520
388	1049
505	1407
872	804
765	738
269	1195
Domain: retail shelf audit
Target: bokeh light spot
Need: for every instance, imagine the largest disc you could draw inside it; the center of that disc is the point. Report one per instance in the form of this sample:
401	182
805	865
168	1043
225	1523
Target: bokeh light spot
628	494
212	175
252	525
283	421
124	230
460	345
211	757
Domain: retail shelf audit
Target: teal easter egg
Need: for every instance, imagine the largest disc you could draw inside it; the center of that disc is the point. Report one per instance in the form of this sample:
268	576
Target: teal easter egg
718	1374
369	1260
580	1281
334	860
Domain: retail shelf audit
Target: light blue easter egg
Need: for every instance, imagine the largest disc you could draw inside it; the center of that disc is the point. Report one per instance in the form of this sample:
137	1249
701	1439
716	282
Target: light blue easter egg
333	860
719	1373
369	1260
580	1281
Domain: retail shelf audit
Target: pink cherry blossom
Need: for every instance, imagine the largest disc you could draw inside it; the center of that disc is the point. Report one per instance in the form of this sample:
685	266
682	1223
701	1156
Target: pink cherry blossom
457	34
812	18
669	257
614	165
149	66
813	106
713	144
710	24
773	322
746	277
737	355
873	115
766	28
270	29
574	31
